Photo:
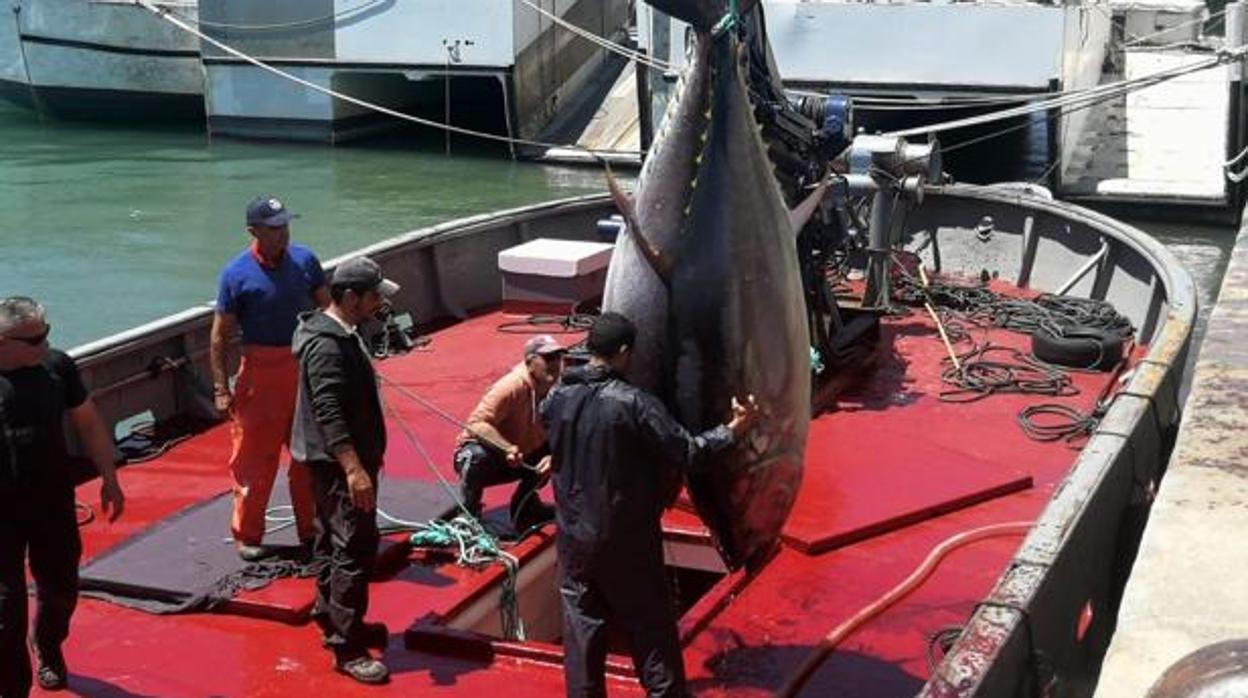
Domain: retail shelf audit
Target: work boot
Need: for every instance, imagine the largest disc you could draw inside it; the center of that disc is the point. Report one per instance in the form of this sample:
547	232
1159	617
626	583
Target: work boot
363	668
373	635
532	515
51	672
252	553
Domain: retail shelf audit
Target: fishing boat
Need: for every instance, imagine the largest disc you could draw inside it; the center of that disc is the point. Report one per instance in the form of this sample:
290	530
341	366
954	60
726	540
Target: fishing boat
100	60
1038	533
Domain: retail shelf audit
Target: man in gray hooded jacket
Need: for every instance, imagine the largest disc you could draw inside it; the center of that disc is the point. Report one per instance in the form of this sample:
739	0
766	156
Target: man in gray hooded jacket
339	431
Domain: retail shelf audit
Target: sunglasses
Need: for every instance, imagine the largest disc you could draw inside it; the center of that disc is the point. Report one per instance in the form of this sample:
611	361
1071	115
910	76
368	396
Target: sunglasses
36	340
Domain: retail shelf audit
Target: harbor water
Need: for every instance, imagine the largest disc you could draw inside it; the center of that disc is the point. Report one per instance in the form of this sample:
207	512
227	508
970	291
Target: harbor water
113	227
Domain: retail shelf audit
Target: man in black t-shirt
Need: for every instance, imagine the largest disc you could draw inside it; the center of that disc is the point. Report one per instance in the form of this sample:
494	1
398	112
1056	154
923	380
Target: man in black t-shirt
39	386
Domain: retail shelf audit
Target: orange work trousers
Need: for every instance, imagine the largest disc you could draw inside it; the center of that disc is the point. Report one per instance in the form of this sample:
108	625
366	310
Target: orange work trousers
261	417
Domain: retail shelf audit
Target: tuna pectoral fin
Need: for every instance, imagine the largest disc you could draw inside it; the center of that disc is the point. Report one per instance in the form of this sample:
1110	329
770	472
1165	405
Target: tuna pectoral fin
656	259
800	215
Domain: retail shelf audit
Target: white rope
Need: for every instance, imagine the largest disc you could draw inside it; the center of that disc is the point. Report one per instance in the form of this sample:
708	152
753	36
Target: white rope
1141	39
1229	165
176	21
630	54
1094	94
1235	160
285	25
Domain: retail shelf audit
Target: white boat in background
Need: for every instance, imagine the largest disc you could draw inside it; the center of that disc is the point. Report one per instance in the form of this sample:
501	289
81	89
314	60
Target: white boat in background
100	59
909	63
503	66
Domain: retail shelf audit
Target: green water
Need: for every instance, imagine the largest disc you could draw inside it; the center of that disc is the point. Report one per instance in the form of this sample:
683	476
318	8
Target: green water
110	228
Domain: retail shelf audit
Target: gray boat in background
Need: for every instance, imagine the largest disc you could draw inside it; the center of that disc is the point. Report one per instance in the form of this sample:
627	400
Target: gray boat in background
491	65
100	60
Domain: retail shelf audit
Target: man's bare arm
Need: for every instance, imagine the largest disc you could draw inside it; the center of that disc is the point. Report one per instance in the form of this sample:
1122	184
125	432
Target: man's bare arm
224	328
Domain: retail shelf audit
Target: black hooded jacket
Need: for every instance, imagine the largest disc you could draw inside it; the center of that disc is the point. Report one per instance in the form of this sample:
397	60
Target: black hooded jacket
338	401
611	444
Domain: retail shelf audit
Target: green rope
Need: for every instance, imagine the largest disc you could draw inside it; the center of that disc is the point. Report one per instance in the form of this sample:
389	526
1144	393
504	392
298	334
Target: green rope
477	548
731	20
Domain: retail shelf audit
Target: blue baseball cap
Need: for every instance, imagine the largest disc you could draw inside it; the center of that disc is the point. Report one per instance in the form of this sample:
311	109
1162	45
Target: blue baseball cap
268	211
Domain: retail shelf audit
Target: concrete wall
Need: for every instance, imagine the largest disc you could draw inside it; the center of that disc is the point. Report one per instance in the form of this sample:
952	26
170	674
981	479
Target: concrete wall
1187	588
555	63
1085	41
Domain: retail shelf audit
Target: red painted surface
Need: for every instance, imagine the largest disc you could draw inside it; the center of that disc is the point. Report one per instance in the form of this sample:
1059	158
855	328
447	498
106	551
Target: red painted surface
893	439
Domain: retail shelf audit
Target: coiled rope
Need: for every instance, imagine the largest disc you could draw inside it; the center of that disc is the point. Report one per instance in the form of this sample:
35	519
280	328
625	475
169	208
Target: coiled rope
982	306
979	376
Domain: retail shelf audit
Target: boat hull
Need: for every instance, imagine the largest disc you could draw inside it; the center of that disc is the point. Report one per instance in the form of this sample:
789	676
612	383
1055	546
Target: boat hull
749	629
100	61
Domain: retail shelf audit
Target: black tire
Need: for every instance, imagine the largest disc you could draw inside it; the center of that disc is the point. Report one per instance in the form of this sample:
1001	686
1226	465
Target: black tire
1079	347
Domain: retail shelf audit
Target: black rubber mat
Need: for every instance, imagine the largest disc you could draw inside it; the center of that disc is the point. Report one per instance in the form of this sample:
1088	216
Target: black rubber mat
187	562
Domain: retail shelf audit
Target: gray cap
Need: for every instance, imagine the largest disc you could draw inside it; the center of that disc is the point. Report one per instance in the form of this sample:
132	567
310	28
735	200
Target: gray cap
362	272
543	344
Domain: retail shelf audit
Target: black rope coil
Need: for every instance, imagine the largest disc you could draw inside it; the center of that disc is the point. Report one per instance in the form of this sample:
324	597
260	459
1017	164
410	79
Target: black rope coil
1053	422
982	306
549	324
980	374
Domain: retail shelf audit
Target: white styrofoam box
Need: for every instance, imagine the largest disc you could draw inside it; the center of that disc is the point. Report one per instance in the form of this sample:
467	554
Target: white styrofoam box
558	258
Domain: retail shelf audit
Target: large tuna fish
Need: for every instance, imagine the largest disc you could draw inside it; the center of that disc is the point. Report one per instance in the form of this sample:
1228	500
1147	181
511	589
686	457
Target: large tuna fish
709	273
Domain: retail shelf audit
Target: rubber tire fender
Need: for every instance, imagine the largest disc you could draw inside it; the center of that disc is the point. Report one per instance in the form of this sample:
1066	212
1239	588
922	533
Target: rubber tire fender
1079	347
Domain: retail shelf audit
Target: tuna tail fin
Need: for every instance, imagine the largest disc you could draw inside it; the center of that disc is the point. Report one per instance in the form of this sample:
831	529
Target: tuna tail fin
656	259
801	214
702	14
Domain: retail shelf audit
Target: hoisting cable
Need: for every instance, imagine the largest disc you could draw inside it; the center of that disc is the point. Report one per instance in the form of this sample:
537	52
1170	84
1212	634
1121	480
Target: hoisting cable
830	642
486	440
176	21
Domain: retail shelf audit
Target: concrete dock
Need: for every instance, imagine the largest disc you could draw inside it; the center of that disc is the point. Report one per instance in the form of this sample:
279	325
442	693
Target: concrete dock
1162	144
1187	589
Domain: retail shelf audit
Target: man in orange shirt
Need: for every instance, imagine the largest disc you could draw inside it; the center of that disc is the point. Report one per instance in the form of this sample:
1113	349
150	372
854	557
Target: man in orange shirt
505	442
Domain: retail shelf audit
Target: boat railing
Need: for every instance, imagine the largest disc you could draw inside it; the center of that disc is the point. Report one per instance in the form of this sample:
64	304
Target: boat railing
160	371
1046	625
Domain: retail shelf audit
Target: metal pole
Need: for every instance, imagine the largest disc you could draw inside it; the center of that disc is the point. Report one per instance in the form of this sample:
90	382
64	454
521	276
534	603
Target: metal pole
1237	136
446	113
879	247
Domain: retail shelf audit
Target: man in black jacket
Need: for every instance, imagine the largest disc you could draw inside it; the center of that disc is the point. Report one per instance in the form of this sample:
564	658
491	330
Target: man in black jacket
611	446
340	432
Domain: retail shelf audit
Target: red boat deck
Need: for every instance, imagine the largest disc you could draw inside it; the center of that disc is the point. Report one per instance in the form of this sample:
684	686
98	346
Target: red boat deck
890	473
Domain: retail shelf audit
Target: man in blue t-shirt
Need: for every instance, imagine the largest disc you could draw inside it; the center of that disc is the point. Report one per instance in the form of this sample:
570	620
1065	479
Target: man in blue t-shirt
261	293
